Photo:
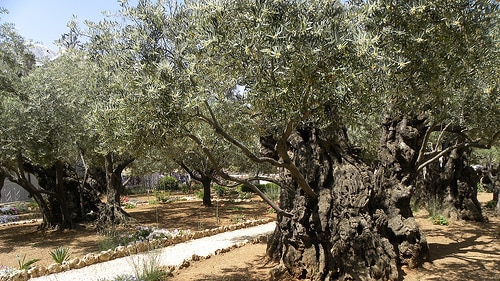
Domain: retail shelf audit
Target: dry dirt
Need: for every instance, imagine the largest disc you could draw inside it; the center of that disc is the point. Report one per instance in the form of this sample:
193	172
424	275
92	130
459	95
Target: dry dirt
459	251
27	239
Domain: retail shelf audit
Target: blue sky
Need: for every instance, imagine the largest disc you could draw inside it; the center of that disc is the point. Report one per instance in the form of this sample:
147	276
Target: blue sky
45	20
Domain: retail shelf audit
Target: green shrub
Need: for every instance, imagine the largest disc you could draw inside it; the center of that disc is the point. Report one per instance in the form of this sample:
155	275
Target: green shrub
480	187
244	195
200	194
168	183
60	254
162	196
136	189
220	190
491	204
439	220
196	186
129	205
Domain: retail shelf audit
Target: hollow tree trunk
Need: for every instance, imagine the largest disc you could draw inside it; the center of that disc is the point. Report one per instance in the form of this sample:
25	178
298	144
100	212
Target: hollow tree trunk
450	188
360	226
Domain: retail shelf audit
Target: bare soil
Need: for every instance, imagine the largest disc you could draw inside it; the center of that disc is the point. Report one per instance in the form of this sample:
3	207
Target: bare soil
462	250
27	240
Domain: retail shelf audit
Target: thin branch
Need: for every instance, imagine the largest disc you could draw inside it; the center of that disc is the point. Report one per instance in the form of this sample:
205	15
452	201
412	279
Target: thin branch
188	170
219	130
226	176
281	148
441	135
444	151
424	144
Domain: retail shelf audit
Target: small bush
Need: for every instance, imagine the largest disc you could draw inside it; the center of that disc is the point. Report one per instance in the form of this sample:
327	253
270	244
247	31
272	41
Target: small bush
200	194
163	196
8	218
220	190
244	195
168	183
60	254
491	204
439	220
109	242
480	187
196	186
129	205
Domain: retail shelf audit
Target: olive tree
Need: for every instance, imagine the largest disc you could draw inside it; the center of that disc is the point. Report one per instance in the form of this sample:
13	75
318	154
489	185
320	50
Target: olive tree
311	70
438	63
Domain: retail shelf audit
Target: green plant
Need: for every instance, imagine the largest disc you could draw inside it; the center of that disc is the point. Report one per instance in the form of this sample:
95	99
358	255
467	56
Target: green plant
60	254
168	183
244	195
439	220
272	191
163	196
491	204
112	239
220	190
238	219
152	201
200	194
109	242
480	187
129	205
25	265
135	189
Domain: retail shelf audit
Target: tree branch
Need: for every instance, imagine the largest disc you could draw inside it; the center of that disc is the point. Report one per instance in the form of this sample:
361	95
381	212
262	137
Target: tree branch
281	148
424	144
226	176
219	130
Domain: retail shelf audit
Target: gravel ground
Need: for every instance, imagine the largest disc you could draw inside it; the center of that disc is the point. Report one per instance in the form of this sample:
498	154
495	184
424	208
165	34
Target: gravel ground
169	256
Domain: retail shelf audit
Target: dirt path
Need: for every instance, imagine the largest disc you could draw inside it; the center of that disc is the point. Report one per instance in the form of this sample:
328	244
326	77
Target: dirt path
460	251
171	256
246	263
26	239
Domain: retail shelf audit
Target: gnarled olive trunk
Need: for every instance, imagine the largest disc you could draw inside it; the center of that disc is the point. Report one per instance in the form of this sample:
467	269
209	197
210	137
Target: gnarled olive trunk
449	187
112	213
360	226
